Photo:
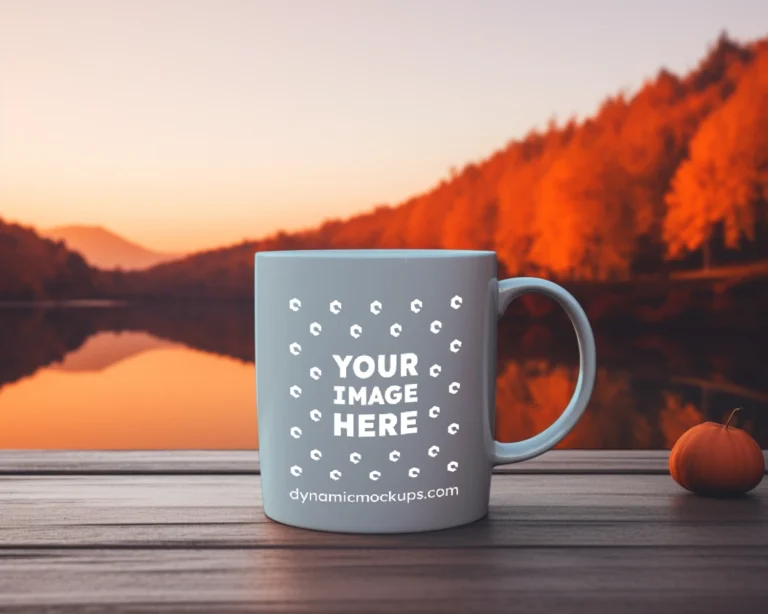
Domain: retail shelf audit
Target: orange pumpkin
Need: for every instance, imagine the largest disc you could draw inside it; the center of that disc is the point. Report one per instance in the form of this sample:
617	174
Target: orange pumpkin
717	460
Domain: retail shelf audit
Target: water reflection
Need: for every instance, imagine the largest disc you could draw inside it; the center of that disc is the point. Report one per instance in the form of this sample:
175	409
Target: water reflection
119	391
182	377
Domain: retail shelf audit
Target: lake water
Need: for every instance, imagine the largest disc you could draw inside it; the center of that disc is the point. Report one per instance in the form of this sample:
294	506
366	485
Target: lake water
122	377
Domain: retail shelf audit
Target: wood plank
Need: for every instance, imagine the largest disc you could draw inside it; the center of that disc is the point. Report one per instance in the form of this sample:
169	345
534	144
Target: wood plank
196	462
706	580
130	462
224	512
246	462
185	543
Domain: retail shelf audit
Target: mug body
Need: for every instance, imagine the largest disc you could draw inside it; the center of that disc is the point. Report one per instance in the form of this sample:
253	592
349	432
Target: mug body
376	387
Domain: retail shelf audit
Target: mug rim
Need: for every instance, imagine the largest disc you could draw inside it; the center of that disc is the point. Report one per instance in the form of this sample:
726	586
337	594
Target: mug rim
375	253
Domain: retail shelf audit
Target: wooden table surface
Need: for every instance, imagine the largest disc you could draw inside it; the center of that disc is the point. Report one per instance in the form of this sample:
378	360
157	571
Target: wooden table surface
184	532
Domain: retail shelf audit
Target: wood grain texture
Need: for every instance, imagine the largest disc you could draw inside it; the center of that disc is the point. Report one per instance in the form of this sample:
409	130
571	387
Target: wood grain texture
130	462
235	462
159	542
225	512
572	580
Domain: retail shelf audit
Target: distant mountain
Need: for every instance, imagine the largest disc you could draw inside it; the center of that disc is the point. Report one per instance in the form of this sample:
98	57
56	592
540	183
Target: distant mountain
34	268
106	250
612	197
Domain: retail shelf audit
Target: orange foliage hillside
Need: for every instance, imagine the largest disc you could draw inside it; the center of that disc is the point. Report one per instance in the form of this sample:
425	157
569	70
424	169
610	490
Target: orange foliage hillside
600	200
673	177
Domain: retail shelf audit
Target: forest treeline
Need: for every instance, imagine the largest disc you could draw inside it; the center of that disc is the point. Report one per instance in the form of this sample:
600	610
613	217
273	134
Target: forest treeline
672	177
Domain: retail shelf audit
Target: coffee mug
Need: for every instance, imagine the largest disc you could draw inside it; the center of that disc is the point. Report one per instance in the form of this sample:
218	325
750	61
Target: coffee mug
376	385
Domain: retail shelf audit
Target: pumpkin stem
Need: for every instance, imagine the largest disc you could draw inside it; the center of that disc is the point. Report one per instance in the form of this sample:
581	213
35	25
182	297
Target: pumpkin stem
733	413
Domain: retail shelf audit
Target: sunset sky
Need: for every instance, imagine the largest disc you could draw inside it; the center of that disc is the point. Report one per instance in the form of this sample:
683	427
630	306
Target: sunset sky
189	124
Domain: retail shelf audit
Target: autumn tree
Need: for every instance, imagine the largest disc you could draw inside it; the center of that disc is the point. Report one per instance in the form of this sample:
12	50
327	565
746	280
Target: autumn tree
525	163
513	233
583	228
583	225
470	213
725	179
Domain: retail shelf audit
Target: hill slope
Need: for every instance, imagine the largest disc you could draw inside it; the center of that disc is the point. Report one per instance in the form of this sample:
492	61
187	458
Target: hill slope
106	250
581	201
33	268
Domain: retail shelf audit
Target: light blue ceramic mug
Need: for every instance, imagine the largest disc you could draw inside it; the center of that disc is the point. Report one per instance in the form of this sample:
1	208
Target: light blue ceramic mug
376	383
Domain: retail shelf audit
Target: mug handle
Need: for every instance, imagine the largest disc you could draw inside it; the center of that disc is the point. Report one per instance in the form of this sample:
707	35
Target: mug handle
511	289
